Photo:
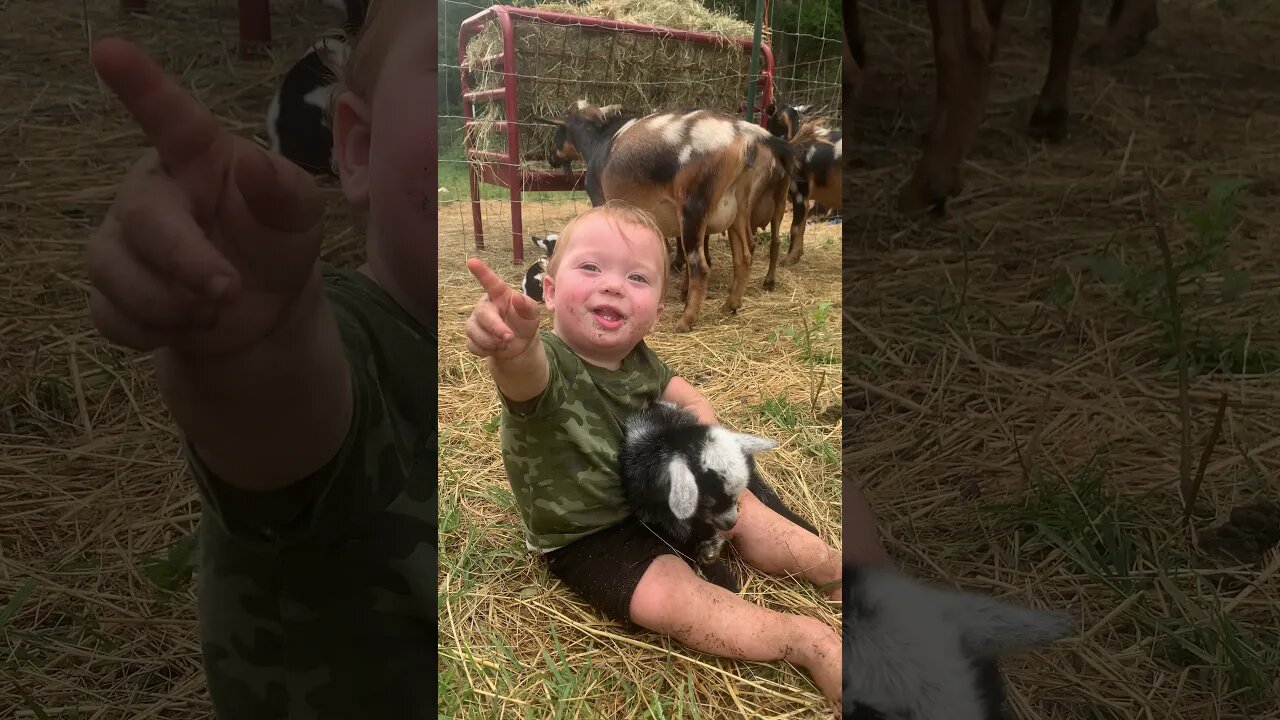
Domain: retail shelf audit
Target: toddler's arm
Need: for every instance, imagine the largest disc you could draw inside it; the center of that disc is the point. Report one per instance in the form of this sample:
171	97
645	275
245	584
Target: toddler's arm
207	257
679	392
504	329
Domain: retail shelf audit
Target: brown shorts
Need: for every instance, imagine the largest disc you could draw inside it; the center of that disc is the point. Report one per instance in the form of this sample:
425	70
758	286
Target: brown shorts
605	567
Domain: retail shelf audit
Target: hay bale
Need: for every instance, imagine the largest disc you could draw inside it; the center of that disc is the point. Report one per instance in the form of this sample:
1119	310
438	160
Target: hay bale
557	65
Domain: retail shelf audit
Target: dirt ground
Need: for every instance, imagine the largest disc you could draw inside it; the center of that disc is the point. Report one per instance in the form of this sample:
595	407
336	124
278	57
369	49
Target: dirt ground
1012	403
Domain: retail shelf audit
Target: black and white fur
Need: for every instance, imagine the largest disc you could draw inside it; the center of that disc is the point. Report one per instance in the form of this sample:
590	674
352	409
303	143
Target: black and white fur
532	284
298	123
354	11
917	652
683	480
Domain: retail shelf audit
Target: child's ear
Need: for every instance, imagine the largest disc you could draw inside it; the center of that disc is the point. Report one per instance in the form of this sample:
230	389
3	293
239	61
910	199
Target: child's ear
549	292
351	136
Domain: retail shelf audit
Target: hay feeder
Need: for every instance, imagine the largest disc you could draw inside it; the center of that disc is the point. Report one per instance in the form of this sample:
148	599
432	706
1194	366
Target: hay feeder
520	64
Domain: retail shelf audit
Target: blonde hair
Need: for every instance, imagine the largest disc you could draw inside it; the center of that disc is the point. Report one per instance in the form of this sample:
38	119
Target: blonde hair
620	212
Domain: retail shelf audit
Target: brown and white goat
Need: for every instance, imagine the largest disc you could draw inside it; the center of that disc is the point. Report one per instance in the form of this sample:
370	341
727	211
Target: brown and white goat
697	171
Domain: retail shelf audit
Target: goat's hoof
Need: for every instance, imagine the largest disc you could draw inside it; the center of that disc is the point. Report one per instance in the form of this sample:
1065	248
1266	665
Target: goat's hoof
1048	123
719	572
684	326
789	259
927	192
770	283
913	200
731	308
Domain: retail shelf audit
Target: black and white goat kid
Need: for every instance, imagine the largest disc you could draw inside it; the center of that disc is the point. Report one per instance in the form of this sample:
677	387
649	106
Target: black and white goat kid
683	480
917	652
532	284
298	124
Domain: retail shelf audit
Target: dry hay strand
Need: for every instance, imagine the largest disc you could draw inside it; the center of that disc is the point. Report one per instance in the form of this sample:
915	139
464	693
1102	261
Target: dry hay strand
513	641
556	65
97	608
1012	402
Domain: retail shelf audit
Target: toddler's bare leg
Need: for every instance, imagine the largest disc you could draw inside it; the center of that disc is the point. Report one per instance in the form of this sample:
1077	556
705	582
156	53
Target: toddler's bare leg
775	545
861	540
670	599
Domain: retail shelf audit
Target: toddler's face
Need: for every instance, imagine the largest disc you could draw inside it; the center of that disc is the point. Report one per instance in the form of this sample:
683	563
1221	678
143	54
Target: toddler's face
606	295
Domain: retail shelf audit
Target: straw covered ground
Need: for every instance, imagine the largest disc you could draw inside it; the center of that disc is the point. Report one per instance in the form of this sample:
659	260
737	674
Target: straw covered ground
97	613
1012	401
514	643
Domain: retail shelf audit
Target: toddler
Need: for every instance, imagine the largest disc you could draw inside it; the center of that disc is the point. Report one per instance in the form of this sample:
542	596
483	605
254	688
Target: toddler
566	394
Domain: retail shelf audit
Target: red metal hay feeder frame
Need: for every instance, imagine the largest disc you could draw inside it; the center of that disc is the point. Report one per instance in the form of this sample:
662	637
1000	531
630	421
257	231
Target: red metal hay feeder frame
504	169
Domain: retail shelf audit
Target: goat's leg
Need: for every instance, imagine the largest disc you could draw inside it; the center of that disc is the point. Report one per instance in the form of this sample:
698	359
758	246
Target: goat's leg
799	216
693	242
740	241
1049	120
964	38
722	573
1128	25
775	229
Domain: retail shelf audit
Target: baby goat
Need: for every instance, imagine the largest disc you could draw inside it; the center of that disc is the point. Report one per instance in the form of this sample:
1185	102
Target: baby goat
298	118
916	652
532	285
683	479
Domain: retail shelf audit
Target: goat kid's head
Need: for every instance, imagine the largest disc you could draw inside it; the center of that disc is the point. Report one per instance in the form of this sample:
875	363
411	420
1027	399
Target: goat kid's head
546	243
563	149
709	489
784	120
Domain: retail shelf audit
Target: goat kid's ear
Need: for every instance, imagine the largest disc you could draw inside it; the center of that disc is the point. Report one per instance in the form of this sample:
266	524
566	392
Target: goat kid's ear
990	626
682	497
752	444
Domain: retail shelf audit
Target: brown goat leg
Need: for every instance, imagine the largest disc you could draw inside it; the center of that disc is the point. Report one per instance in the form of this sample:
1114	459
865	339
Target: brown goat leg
1128	25
1049	120
693	242
964	45
740	240
799	216
775	239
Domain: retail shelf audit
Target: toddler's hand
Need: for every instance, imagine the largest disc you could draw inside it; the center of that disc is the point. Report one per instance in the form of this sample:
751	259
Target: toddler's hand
505	322
210	241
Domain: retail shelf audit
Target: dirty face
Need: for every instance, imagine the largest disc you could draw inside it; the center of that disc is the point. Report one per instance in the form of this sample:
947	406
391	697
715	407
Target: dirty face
605	294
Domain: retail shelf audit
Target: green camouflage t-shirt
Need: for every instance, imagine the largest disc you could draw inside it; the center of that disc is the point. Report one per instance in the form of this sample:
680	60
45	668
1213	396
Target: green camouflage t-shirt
560	449
318	601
